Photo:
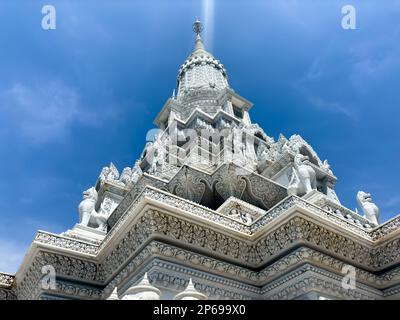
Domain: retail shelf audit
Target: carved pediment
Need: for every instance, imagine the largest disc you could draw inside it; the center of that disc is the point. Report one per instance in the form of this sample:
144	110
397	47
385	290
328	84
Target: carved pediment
228	180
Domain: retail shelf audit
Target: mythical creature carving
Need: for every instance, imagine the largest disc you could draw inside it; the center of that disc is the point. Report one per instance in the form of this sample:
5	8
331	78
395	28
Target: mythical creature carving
89	217
109	173
326	167
370	209
303	176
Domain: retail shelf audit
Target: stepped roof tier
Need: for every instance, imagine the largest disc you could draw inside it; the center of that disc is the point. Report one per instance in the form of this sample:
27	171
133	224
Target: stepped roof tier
214	198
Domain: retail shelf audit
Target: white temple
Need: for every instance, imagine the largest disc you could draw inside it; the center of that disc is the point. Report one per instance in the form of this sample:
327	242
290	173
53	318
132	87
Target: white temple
214	208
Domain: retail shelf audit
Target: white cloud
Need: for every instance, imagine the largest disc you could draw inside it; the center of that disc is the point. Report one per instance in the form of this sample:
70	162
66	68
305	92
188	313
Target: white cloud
331	106
44	112
41	112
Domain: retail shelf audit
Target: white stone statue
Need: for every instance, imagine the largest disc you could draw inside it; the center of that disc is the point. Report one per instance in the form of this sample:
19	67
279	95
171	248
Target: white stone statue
371	211
89	217
303	176
142	291
190	293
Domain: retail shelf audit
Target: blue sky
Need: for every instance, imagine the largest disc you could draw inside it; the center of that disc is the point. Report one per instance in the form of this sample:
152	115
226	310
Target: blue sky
75	98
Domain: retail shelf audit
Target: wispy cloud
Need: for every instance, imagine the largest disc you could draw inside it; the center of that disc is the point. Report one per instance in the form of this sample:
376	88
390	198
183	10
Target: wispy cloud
43	112
331	106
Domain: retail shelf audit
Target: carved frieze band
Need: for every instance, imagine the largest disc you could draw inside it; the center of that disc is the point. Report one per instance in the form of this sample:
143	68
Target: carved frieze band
7	294
296	229
199	262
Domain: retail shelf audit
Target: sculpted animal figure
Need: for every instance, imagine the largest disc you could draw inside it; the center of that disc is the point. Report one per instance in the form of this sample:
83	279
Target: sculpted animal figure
89	217
303	178
371	211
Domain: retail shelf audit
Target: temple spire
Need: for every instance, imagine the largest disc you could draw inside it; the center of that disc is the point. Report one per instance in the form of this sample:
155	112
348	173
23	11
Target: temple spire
198	28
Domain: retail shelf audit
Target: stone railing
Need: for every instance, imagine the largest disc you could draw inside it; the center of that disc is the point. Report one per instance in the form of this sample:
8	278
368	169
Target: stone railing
66	243
344	213
221	219
386	228
291	201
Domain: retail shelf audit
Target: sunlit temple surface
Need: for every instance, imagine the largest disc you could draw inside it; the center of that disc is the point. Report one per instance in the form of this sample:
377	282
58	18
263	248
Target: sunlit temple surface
214	208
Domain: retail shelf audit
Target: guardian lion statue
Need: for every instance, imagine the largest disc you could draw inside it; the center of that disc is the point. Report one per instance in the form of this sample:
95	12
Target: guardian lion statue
303	178
371	211
89	217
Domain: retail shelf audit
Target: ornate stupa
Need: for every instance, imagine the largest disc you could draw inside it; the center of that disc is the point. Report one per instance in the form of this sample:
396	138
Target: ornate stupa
215	199
190	293
142	291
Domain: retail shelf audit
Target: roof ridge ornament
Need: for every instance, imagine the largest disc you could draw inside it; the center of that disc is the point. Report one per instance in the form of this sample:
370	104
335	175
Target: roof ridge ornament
198	28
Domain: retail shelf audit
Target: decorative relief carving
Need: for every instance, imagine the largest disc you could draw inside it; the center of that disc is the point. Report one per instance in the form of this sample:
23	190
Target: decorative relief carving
312	283
6	280
265	190
7	294
220	238
188	185
108	206
66	243
83	247
228	183
72	290
155	222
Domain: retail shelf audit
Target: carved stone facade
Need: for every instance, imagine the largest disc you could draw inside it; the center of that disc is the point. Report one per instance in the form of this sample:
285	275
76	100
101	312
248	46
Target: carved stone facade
214	208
